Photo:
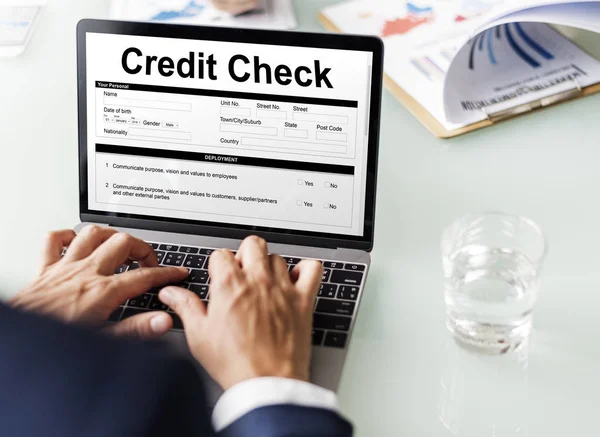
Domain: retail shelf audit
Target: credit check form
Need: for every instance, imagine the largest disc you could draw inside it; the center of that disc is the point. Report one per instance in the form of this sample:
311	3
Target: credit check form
220	132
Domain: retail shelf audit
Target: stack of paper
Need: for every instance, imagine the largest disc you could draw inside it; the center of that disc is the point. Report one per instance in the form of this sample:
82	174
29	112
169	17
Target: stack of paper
459	59
270	14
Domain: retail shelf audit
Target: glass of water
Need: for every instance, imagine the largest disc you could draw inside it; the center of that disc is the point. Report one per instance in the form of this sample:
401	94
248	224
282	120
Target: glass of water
492	264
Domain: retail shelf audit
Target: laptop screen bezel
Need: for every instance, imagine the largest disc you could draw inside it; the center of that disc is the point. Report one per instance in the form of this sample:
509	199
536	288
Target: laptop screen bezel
297	39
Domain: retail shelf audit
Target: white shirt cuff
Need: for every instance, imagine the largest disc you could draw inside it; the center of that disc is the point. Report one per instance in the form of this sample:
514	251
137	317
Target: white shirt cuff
262	392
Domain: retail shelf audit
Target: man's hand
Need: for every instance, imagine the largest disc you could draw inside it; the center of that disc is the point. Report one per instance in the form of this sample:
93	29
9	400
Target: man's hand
235	7
259	321
82	288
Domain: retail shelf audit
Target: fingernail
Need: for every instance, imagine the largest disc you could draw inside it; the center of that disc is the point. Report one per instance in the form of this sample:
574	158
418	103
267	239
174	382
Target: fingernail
166	295
159	324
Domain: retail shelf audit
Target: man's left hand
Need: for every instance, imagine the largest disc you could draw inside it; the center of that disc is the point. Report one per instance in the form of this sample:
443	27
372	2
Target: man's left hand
81	287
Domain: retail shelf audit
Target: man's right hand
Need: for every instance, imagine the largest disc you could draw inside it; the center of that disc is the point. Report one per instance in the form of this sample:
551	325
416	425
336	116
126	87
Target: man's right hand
259	321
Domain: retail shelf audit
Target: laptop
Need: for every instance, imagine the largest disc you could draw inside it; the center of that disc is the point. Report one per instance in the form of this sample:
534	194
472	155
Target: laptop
192	138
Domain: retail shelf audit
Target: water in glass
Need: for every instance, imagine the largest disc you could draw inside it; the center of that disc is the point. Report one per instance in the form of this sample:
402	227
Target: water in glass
490	293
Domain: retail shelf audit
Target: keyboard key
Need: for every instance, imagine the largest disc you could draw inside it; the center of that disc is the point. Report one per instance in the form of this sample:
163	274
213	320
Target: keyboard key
140	301
291	261
157	305
335	339
346	277
154	290
173	259
177	323
154	245
134	265
327	290
348	293
194	261
207	251
198	276
130	312
317	337
335	307
188	249
169	247
160	256
116	315
325	321
121	269
355	267
200	290
326	275
333	265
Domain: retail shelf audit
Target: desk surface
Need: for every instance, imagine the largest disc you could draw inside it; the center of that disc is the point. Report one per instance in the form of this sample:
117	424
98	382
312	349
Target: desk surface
402	374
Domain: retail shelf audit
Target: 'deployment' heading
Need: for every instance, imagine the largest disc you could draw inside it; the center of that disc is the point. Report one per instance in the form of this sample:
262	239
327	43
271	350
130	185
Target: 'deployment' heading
240	69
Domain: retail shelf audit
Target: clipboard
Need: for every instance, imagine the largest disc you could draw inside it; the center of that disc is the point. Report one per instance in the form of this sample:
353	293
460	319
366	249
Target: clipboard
492	117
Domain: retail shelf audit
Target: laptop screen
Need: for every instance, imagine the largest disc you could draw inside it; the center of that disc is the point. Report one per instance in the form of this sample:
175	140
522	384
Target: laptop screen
222	133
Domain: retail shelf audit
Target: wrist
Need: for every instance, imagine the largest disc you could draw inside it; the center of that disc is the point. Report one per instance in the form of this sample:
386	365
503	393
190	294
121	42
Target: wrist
252	394
285	371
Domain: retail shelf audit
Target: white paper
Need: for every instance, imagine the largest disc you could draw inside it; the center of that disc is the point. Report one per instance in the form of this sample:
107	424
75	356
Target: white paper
271	14
512	11
15	23
573	15
422	37
514	64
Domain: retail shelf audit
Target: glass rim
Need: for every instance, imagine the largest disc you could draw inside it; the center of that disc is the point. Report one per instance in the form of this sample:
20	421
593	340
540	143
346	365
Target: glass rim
530	222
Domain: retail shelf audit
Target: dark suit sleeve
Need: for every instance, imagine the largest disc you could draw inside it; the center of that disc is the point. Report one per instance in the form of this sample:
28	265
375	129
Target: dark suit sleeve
63	381
289	421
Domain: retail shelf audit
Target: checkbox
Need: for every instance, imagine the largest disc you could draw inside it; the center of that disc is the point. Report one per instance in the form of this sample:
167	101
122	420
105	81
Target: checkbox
327	184
300	182
326	205
299	202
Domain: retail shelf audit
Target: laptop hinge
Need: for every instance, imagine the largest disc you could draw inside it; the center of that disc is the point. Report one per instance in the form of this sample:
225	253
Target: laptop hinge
307	242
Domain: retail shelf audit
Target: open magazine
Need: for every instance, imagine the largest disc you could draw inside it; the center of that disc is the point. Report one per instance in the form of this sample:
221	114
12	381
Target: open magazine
463	60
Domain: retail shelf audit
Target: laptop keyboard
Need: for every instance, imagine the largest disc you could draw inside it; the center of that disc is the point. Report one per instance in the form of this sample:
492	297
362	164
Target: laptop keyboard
334	308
